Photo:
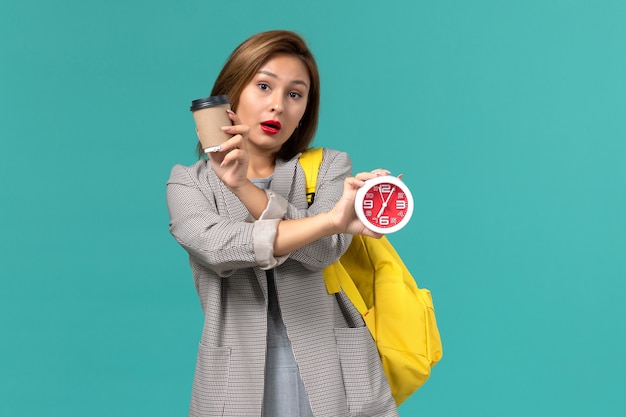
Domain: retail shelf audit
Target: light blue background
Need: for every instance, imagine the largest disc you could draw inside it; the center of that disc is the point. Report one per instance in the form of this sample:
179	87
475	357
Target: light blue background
506	117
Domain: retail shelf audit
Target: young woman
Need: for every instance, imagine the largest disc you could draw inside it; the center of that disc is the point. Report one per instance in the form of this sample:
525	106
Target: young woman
274	342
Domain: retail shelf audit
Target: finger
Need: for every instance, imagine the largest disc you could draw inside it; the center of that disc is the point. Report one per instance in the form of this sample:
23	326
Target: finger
372	174
235	142
354	182
236	129
233	116
350	186
364	176
379	172
234	156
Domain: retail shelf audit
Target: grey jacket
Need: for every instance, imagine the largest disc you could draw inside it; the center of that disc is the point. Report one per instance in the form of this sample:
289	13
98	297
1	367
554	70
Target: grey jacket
228	253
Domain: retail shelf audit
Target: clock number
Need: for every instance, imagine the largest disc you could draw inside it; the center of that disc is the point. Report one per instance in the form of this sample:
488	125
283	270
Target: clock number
400	204
368	204
383	220
385	188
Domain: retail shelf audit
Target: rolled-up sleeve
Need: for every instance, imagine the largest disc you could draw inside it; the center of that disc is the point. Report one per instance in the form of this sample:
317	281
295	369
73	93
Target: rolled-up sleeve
265	229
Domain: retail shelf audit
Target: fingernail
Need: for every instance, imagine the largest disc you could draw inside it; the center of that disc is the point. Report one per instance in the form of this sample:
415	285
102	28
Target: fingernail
213	149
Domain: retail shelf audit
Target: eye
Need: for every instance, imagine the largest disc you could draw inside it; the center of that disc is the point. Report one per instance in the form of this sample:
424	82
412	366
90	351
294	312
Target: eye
263	86
295	95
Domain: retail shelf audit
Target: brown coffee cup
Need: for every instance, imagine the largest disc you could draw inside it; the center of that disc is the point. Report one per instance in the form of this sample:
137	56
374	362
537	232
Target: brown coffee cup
210	115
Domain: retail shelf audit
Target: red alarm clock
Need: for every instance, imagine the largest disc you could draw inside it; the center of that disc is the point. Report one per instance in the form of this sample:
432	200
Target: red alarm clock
384	204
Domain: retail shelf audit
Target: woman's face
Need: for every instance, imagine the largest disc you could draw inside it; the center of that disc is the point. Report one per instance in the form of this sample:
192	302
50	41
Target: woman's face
274	101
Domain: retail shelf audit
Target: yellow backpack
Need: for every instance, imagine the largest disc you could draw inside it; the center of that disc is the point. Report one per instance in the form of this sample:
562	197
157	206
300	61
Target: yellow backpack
399	315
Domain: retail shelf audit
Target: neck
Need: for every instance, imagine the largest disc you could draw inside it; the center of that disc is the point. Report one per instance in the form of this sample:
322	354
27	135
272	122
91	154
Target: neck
260	165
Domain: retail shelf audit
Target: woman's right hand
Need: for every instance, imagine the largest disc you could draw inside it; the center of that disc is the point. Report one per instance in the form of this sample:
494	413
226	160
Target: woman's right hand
230	163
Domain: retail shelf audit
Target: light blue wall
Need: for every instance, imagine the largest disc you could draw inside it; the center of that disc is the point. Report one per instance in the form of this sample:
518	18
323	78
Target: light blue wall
506	117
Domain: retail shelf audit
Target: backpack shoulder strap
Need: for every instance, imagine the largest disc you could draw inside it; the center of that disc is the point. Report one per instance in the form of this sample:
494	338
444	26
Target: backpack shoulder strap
310	161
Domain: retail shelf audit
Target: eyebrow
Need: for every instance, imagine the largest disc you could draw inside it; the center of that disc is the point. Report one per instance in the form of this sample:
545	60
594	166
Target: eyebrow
271	74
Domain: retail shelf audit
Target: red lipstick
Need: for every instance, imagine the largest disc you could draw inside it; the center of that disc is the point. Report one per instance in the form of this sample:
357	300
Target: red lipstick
271	127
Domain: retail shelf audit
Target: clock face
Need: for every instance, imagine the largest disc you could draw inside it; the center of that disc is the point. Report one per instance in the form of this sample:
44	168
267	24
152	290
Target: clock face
384	204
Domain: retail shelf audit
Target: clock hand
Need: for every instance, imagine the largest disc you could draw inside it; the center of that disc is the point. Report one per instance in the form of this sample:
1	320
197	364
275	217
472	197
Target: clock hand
382	198
382	209
389	196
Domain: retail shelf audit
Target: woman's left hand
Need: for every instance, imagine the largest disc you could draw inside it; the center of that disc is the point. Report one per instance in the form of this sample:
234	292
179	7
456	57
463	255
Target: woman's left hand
230	163
343	215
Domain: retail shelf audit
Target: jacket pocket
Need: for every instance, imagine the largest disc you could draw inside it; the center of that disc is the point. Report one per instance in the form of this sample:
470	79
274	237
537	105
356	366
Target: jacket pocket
210	381
365	382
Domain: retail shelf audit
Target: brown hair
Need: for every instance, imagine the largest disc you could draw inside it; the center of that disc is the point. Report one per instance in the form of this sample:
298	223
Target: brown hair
245	62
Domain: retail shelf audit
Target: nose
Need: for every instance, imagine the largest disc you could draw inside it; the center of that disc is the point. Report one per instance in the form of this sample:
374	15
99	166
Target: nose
277	104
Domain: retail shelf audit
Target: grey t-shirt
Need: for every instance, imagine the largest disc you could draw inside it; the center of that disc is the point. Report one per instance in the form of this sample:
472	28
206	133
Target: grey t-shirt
284	391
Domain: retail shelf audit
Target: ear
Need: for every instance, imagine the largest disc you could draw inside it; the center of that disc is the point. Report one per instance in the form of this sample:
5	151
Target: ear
197	133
